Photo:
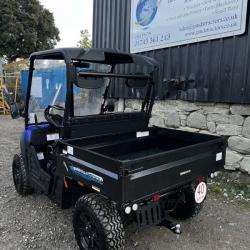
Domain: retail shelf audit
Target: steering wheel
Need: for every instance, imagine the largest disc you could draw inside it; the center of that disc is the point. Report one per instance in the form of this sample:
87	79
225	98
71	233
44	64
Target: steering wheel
53	119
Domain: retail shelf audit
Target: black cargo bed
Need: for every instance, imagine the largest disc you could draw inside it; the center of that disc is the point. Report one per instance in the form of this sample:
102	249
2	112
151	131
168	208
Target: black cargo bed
139	147
125	147
140	167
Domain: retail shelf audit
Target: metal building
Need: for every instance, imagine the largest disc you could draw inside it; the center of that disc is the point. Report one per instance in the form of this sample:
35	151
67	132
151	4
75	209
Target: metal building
209	71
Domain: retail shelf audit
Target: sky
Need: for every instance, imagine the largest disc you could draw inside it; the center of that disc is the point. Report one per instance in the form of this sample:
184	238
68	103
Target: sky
71	16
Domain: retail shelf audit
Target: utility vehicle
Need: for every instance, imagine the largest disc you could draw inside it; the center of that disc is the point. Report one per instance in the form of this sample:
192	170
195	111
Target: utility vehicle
82	149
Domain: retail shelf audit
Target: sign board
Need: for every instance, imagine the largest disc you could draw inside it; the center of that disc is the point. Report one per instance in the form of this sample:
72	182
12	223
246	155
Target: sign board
37	87
157	24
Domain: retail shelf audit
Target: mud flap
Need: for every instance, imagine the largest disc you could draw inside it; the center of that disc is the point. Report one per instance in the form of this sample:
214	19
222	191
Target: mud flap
149	215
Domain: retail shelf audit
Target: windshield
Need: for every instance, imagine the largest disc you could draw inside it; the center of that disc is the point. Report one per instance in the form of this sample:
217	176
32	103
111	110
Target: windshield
48	87
93	88
88	99
91	92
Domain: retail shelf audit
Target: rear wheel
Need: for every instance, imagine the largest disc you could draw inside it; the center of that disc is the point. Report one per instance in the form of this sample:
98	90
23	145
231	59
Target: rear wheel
97	224
20	176
190	205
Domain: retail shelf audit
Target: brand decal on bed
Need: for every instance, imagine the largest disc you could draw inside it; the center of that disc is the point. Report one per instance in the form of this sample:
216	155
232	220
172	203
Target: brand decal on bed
87	175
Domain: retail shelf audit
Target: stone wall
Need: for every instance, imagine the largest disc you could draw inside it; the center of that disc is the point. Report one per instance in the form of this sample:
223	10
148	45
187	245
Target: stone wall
232	121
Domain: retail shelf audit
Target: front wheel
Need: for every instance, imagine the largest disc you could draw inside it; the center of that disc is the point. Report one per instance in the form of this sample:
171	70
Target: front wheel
20	176
97	224
192	201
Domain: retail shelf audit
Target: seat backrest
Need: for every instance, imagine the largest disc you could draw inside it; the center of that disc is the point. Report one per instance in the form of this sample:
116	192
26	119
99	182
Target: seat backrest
105	124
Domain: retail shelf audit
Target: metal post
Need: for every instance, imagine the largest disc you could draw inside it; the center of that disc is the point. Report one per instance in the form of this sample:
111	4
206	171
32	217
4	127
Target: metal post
1	90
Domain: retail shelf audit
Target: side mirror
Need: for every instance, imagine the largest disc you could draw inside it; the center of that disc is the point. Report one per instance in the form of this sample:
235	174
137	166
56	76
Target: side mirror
138	82
15	113
89	83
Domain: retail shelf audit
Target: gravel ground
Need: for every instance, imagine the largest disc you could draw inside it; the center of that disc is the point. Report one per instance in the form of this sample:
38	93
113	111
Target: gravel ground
34	222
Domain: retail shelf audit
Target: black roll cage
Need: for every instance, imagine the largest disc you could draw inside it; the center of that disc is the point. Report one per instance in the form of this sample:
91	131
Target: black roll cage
99	56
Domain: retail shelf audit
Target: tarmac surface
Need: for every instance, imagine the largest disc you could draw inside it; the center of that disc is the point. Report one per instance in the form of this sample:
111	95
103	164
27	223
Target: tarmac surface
34	222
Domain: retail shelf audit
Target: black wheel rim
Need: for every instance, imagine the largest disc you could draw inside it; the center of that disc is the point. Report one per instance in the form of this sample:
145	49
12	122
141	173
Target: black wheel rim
17	176
89	235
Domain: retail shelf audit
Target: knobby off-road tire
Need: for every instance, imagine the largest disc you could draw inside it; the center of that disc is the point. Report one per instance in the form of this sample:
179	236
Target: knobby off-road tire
97	224
20	176
188	207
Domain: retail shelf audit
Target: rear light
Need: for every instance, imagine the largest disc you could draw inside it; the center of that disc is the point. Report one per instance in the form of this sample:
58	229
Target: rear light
135	207
156	198
201	179
66	184
213	175
128	210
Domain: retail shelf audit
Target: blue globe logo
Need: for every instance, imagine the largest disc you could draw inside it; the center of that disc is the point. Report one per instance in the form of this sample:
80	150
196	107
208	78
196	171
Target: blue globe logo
146	11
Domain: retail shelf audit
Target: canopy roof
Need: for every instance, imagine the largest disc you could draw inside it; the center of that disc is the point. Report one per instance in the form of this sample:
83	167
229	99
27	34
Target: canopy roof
104	56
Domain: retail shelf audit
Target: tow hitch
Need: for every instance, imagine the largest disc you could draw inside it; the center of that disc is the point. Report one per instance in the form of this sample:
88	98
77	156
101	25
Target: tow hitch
172	224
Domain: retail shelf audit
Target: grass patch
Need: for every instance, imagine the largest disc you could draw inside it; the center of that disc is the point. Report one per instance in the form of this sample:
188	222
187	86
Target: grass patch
235	188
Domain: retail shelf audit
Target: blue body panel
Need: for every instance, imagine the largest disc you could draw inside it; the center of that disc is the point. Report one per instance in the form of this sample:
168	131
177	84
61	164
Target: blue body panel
31	129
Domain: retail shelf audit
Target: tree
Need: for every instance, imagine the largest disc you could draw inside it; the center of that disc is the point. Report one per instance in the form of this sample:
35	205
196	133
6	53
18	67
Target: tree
85	41
25	27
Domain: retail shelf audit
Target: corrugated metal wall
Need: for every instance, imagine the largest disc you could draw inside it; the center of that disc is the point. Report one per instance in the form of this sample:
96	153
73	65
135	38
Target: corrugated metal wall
215	71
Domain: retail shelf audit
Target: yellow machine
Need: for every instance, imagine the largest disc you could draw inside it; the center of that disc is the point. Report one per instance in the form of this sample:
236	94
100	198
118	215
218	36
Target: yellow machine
4	106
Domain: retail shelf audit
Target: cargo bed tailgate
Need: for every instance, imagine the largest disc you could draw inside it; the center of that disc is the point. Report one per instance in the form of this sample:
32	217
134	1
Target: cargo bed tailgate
165	171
